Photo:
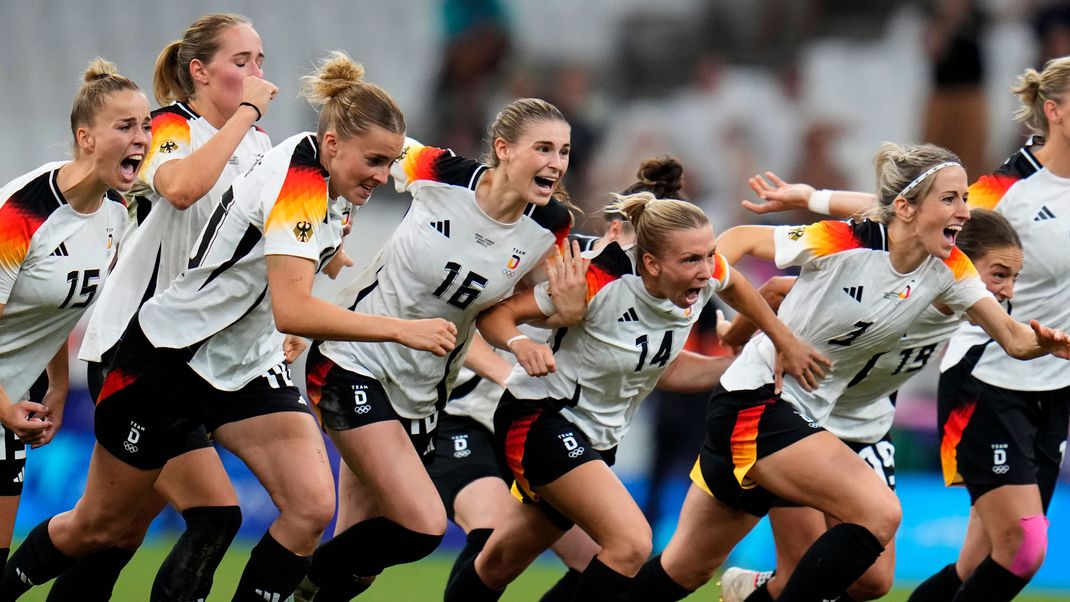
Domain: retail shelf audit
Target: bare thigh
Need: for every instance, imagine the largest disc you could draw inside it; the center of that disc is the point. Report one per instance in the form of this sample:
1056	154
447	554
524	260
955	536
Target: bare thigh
481	504
384	464
576	548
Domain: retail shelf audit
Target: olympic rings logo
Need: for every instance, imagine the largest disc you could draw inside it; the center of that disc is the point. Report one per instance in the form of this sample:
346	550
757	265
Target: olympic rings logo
364	409
130	447
1002	469
576	452
464	453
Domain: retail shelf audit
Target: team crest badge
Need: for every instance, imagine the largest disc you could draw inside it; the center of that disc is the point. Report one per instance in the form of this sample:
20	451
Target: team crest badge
797	232
303	231
168	147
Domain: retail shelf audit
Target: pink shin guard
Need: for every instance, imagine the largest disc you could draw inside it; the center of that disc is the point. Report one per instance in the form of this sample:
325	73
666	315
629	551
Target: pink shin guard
1034	545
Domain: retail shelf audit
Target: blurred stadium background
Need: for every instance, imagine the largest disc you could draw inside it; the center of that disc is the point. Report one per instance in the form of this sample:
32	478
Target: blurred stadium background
806	88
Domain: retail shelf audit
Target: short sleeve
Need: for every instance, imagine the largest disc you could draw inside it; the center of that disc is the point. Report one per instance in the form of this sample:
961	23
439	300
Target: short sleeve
722	273
966	287
170	140
799	245
297	222
17	226
419	163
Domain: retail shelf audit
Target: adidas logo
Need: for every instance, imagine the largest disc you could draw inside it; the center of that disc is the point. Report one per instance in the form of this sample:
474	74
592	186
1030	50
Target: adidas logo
22	577
855	292
1044	214
269	596
629	316
443	227
61	251
19	477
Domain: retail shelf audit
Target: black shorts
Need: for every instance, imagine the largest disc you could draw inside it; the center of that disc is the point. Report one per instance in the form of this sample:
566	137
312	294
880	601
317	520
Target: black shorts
96	372
990	437
346	400
540	446
465	451
13	450
741	428
152	402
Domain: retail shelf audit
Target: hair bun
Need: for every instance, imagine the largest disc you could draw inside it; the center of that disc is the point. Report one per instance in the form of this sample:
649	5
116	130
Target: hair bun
99	68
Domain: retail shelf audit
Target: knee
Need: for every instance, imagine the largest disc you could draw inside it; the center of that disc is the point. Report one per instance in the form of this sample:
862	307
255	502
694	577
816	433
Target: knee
628	550
873	585
430	519
1029	540
883	518
310	514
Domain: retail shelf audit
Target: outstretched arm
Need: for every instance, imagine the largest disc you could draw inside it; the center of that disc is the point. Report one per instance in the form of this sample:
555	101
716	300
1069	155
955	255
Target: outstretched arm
692	372
1017	339
778	195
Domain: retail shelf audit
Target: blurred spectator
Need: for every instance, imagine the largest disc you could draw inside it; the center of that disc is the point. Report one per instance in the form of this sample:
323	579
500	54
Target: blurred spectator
1052	26
956	115
476	44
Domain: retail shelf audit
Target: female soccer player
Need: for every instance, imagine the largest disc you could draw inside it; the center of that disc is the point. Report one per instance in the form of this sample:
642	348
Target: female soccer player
761	445
211	90
61	224
470	475
559	433
205	351
474	231
863	415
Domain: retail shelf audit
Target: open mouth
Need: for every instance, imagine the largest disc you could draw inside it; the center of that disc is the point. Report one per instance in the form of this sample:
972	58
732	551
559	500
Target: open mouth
545	184
691	295
951	233
128	167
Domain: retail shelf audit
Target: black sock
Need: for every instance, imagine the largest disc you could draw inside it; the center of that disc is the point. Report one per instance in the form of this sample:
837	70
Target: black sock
838	558
653	583
474	542
941	587
599	582
91	578
186	573
365	549
990	582
272	572
36	561
565	588
3	558
466	586
761	594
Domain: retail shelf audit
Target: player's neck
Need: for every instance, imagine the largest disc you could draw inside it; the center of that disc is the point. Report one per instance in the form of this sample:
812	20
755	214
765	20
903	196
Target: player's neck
499	200
905	250
1055	155
210	112
80	186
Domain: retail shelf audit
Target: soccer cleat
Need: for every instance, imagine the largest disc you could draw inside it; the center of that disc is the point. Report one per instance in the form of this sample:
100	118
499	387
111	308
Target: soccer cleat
737	584
305	592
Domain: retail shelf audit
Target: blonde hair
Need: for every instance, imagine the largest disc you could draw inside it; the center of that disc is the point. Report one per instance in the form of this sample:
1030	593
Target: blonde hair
656	219
171	79
346	103
511	123
1034	88
898	167
101	79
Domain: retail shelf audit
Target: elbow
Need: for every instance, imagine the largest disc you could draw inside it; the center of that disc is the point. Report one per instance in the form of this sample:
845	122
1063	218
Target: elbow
181	201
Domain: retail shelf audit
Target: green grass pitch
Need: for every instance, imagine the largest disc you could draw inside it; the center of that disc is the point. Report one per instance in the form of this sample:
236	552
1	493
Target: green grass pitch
418	582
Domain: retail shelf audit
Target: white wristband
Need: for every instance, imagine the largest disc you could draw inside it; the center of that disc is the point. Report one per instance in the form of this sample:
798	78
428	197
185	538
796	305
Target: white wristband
509	343
820	201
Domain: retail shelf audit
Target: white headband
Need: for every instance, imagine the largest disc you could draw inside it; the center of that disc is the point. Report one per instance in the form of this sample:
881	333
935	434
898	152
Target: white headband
928	172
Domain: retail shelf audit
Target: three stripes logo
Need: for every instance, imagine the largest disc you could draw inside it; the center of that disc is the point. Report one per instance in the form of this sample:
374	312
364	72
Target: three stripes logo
61	251
269	596
629	316
854	292
1044	214
443	227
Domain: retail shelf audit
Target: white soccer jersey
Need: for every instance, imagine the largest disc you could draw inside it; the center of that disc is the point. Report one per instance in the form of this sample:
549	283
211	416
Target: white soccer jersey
1039	209
477	397
53	261
865	411
221	305
159	250
850	304
447	259
609	362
